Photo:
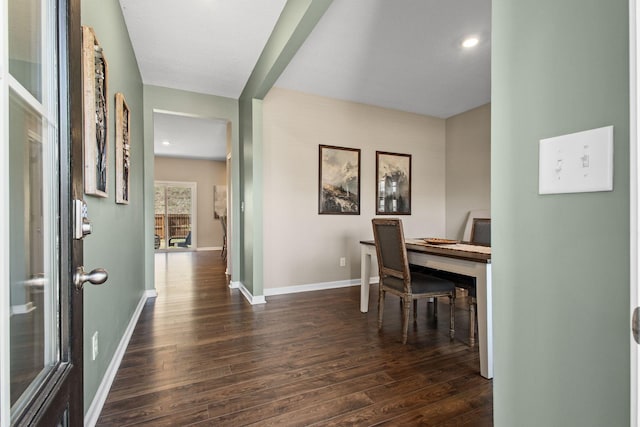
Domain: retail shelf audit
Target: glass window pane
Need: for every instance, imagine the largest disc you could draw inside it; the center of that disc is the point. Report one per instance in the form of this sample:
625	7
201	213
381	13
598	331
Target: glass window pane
159	209
179	216
33	286
159	200
173	216
25	44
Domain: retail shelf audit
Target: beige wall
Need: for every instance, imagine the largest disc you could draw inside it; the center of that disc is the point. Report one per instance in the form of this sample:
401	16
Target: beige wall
206	173
302	247
468	166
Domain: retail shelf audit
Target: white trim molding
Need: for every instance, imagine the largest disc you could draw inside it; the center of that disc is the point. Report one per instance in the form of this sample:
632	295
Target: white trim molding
209	248
316	287
91	417
253	300
151	293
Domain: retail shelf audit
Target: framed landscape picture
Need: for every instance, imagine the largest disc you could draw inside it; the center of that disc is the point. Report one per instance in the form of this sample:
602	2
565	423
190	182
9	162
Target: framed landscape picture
339	181
393	183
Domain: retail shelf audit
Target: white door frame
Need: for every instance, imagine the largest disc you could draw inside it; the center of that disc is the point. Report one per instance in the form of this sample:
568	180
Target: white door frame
634	82
5	405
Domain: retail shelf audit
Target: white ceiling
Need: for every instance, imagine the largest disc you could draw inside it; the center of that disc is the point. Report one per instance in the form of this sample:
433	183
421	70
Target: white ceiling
189	137
400	54
206	46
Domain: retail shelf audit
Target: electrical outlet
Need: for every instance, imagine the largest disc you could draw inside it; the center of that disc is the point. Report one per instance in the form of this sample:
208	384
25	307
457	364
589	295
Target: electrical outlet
343	261
94	345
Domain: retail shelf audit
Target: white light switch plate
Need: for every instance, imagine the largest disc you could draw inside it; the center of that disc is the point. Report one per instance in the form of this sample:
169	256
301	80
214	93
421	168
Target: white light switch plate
577	163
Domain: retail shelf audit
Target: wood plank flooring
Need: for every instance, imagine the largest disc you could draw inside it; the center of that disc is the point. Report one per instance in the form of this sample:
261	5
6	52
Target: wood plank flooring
202	356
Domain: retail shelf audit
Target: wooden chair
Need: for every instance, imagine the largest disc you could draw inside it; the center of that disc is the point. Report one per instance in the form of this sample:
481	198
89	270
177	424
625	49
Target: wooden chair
397	279
480	234
481	231
223	223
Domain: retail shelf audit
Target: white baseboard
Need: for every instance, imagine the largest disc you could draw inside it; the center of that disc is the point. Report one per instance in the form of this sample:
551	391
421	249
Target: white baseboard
253	300
297	288
93	413
247	295
316	286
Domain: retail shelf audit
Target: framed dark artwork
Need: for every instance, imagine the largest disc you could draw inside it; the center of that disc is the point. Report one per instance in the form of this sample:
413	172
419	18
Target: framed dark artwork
123	149
96	115
339	181
393	183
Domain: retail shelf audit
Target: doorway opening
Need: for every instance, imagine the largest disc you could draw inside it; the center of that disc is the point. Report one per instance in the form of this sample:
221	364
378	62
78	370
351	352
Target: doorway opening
175	210
190	153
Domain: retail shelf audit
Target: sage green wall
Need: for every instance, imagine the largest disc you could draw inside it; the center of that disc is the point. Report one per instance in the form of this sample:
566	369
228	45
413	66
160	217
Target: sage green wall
164	99
560	262
296	22
117	241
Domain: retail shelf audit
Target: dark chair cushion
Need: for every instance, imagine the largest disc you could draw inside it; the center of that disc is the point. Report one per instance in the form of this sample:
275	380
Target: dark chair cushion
460	280
424	283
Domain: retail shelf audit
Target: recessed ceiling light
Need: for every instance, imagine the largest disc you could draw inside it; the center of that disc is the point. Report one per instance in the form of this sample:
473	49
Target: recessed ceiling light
166	143
470	42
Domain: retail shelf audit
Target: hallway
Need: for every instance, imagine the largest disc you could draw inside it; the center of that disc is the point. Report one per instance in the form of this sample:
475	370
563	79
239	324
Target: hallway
201	355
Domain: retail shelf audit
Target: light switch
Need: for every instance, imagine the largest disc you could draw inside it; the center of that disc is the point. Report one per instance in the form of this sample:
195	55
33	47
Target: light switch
577	163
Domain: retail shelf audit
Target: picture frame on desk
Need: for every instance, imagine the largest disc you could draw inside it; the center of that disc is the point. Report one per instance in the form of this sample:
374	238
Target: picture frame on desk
393	183
339	180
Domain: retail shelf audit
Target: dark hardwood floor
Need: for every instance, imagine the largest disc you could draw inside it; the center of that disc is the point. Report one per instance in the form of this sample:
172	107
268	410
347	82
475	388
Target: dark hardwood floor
201	355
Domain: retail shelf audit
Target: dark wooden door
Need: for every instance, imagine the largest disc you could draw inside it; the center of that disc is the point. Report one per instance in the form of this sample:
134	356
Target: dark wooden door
44	118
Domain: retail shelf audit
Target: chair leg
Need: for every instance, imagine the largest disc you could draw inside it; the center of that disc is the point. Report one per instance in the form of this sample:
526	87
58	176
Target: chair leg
472	322
452	316
406	312
435	307
380	308
415	311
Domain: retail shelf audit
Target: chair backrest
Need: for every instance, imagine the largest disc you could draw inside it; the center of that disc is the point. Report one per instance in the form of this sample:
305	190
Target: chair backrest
390	249
481	231
476	213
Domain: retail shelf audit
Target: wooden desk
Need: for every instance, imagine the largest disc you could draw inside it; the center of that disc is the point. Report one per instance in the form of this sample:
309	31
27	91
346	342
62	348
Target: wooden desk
470	260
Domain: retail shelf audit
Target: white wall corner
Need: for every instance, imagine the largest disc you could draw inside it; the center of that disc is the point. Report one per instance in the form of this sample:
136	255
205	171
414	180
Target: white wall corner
253	300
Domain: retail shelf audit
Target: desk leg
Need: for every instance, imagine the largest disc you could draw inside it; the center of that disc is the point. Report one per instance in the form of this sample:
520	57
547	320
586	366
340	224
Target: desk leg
485	322
365	277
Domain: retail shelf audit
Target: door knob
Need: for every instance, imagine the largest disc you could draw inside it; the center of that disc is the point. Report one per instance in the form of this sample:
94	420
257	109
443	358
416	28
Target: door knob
97	277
